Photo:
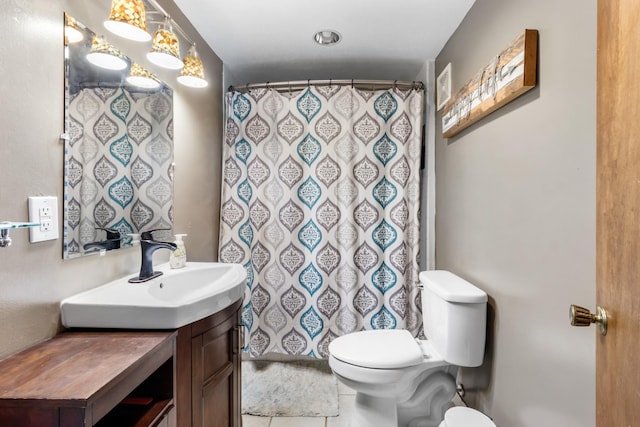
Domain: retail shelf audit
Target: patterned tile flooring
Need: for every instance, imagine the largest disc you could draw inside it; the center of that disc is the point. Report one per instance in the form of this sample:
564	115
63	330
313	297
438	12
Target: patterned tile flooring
346	399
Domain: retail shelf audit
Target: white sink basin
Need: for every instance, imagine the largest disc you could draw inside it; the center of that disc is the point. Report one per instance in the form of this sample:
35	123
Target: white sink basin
175	299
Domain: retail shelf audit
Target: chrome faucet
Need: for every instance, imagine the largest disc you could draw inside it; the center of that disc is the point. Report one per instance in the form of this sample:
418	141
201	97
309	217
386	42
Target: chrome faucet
149	246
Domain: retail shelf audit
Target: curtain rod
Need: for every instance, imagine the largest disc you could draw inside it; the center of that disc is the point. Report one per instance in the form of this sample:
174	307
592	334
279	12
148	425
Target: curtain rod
301	84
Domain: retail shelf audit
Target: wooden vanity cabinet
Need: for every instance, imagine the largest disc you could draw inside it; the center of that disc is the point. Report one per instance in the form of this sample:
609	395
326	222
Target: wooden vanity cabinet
182	378
208	371
82	379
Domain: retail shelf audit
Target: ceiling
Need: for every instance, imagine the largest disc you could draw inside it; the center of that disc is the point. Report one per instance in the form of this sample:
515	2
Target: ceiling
260	40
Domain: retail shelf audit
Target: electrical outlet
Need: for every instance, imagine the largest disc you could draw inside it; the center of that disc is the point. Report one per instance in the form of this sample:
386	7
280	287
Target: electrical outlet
44	211
45	225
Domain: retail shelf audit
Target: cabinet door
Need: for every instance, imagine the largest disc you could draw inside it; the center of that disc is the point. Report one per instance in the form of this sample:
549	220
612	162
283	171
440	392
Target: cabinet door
215	384
217	404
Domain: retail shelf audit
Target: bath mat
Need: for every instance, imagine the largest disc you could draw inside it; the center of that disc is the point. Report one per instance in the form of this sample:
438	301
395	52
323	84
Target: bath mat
289	389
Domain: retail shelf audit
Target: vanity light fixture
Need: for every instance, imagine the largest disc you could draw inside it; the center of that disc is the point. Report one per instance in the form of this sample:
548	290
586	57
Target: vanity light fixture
165	50
71	32
105	55
141	77
193	71
128	19
327	37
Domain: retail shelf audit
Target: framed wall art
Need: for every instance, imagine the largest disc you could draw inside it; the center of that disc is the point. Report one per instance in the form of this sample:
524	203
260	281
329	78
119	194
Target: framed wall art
443	87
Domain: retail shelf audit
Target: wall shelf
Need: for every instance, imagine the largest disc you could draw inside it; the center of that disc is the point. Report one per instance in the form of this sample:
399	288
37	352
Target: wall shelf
9	225
5	226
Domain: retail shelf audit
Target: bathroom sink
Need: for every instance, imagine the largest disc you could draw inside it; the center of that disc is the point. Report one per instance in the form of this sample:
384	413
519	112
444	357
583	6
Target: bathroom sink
175	299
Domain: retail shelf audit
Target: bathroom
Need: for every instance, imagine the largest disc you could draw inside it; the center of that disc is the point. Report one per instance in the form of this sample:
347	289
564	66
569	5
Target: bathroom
515	195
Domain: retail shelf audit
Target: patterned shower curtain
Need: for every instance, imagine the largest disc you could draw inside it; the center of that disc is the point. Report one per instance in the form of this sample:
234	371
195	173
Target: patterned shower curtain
320	203
118	163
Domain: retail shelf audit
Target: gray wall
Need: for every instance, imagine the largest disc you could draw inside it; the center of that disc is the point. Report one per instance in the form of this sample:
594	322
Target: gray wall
33	277
428	187
515	205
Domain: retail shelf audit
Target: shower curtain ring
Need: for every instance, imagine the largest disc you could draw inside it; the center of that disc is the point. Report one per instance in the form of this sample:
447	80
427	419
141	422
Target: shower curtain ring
330	83
351	83
308	83
395	85
267	85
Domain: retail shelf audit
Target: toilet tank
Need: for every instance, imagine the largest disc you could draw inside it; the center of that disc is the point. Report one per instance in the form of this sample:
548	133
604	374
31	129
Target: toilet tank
454	314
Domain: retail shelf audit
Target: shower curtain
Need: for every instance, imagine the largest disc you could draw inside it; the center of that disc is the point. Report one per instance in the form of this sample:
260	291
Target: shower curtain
118	159
320	203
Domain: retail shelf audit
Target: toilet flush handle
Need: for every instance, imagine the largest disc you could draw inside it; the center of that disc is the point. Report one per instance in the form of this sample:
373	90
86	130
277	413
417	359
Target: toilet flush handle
581	316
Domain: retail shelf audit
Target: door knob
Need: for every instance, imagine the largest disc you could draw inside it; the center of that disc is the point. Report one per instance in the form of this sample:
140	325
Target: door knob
580	316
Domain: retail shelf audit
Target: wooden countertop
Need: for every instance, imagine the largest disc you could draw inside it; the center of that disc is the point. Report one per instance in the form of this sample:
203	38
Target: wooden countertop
77	366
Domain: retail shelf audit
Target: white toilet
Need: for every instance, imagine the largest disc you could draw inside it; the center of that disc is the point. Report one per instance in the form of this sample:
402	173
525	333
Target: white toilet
401	381
465	417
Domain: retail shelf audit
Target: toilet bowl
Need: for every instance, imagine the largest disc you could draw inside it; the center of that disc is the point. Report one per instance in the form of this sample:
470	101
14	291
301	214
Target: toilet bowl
460	416
394	378
402	381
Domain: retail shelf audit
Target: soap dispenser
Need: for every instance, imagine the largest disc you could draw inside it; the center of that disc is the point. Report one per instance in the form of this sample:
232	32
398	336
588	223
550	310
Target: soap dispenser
178	258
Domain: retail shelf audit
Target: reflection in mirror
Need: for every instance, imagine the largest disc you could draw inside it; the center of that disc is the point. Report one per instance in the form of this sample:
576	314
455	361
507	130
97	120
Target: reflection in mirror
118	178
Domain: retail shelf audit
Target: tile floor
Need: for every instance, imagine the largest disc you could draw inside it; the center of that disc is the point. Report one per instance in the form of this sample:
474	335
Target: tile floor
346	401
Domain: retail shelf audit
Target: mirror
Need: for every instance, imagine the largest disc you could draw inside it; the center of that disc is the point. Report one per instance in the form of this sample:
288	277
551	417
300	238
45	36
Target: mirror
118	172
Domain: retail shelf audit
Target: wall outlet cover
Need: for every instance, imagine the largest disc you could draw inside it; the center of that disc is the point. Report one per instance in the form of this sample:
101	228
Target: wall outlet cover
44	211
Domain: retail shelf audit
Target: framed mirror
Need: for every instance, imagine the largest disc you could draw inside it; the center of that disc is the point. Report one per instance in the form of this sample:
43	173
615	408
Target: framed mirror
118	172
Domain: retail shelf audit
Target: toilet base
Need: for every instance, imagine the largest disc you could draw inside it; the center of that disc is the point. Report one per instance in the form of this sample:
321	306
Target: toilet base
422	406
429	402
374	411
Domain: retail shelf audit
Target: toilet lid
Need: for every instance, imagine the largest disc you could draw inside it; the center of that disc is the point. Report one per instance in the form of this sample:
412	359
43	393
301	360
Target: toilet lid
460	416
381	349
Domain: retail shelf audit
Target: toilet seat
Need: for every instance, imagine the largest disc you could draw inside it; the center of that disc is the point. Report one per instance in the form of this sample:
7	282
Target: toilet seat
378	349
461	416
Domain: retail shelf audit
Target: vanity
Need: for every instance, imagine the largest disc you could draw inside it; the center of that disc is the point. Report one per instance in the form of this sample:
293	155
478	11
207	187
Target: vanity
208	371
91	378
164	353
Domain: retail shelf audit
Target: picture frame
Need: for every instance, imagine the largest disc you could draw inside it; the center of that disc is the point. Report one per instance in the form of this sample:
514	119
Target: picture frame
508	75
443	87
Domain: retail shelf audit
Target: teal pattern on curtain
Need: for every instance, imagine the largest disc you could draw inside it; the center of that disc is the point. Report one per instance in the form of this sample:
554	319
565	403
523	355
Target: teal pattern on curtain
118	164
320	203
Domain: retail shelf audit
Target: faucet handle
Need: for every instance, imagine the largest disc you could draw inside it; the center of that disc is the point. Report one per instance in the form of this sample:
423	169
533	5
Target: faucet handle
112	233
147	235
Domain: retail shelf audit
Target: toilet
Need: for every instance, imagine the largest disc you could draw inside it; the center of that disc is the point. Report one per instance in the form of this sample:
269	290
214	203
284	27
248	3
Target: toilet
402	381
